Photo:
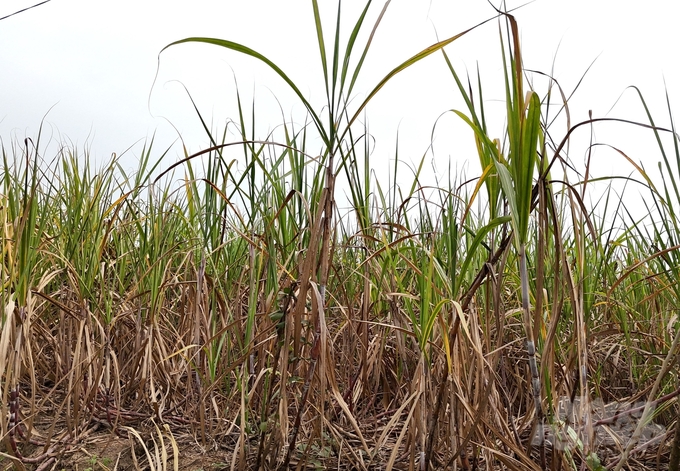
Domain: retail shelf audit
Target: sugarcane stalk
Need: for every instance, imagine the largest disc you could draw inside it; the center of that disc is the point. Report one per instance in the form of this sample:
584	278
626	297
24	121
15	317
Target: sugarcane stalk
531	353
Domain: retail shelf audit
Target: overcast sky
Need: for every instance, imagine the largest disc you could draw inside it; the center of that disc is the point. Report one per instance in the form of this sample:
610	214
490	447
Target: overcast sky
88	68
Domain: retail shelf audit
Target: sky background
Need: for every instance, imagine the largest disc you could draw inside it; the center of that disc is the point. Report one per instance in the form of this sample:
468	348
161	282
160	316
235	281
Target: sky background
91	72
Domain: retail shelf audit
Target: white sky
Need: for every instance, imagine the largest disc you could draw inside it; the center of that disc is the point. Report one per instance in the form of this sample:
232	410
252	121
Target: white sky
91	65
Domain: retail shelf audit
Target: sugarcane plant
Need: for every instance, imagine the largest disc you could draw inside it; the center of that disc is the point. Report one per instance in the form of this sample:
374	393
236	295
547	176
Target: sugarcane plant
512	176
660	241
516	179
340	70
23	228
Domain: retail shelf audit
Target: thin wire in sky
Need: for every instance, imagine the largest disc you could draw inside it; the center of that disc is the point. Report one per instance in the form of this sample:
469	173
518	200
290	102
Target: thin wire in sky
23	10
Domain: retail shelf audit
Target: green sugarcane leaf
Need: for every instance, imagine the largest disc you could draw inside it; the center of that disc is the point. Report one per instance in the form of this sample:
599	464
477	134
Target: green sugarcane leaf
429	323
250	52
510	195
479	237
525	166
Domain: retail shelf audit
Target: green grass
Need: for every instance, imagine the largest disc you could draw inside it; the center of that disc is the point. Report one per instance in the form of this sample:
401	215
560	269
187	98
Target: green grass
242	308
